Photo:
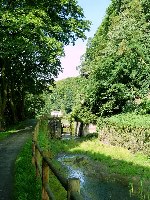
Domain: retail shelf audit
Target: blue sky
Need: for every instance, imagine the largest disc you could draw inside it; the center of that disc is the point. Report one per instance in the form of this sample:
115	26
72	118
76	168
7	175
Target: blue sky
94	10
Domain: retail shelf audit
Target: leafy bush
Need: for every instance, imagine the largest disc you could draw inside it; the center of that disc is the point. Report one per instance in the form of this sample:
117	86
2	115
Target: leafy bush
82	114
144	107
127	130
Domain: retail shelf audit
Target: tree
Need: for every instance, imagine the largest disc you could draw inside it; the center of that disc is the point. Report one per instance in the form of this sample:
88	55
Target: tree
65	95
117	58
33	35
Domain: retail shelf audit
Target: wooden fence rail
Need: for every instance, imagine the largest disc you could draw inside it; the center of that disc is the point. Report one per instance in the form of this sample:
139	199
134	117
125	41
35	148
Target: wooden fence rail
71	185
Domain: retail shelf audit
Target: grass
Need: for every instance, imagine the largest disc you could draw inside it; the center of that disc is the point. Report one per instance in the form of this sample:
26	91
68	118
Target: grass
117	160
14	129
135	167
8	132
54	184
27	186
5	134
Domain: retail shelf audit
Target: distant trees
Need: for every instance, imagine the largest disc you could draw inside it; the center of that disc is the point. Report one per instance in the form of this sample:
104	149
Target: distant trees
65	95
33	34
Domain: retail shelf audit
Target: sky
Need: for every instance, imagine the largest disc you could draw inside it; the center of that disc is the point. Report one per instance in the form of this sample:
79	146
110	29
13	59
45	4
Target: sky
94	10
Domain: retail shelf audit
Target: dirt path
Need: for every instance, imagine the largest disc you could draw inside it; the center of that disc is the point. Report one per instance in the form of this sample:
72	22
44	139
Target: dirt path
9	149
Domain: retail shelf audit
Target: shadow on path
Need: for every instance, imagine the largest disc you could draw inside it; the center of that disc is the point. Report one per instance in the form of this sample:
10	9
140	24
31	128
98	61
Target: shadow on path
9	149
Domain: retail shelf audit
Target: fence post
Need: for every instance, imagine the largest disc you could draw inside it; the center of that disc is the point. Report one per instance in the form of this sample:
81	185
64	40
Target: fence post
37	128
33	153
73	186
37	160
35	135
45	179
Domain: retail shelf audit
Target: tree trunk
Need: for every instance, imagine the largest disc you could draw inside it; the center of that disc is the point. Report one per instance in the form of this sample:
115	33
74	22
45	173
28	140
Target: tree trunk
20	105
13	109
3	95
12	101
81	129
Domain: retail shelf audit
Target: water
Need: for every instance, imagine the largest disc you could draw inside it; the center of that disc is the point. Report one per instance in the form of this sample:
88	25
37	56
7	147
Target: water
93	186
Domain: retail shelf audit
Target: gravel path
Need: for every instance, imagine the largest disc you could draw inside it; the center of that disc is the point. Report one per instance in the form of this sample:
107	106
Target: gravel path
9	149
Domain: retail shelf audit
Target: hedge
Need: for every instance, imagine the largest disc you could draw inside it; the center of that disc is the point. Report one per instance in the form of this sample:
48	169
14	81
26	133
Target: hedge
128	130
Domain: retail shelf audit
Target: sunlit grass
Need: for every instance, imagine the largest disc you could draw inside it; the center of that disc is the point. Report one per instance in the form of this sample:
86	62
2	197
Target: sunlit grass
119	153
117	160
27	186
5	134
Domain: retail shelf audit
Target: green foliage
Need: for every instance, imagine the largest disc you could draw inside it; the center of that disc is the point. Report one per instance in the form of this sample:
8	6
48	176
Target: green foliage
27	186
33	36
33	103
82	114
117	58
128	119
64	96
117	160
68	95
144	107
128	130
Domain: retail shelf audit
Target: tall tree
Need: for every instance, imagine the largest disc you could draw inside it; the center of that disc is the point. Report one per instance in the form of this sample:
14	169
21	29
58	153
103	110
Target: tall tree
33	35
117	58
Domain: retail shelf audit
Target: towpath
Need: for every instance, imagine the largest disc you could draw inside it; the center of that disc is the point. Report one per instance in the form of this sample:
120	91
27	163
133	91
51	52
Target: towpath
9	149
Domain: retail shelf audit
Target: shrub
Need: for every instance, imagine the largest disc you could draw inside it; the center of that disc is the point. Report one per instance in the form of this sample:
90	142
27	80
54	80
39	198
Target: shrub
144	107
127	130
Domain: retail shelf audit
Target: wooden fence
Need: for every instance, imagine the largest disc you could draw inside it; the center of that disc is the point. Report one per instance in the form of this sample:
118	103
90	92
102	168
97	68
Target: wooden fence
71	185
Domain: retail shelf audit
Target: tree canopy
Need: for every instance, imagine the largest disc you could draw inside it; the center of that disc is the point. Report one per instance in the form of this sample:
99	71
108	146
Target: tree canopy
33	35
117	58
65	95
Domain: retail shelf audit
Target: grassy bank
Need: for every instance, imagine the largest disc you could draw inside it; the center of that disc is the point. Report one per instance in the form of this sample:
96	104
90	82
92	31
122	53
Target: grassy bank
14	129
53	183
134	167
27	186
8	132
118	160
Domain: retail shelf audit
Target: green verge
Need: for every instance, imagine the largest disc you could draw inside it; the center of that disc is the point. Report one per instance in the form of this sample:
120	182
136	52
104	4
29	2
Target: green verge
55	186
118	160
5	134
14	129
26	185
8	132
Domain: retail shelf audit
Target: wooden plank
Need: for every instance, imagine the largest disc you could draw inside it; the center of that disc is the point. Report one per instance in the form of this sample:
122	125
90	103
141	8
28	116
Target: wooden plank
45	179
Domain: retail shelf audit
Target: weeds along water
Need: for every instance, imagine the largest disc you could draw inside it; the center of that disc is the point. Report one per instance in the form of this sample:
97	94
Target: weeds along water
117	160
